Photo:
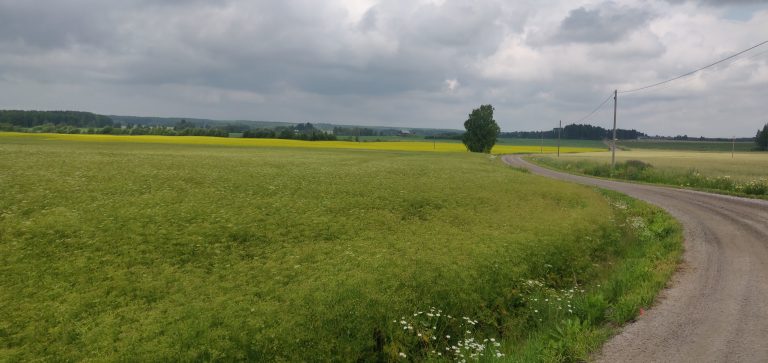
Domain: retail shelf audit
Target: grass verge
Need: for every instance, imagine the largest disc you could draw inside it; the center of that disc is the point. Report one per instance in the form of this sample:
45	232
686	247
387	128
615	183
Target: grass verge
636	170
639	264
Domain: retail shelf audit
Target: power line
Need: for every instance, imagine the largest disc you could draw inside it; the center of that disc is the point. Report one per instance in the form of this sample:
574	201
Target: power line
728	64
596	109
692	72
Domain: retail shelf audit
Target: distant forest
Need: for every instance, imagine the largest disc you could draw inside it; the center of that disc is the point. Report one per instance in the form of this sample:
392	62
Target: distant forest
30	119
577	132
572	132
75	122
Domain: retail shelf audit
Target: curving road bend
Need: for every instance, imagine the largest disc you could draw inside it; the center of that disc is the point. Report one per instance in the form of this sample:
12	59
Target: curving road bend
716	309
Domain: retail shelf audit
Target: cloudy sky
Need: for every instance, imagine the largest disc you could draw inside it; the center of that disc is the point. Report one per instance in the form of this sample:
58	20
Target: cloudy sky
418	63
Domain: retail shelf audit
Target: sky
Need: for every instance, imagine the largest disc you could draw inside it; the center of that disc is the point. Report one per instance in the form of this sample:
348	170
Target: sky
404	63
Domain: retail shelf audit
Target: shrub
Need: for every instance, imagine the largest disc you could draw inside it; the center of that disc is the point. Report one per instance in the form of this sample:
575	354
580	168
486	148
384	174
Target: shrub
755	187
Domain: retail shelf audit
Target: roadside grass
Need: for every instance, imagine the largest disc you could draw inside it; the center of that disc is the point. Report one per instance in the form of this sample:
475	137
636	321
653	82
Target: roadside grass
638	266
272	143
116	251
745	174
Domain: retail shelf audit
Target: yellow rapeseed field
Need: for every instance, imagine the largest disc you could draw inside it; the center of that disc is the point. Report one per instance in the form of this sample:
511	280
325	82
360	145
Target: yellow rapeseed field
384	145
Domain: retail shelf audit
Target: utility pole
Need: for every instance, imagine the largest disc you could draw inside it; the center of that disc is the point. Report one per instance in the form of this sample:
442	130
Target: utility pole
541	151
733	147
559	130
613	143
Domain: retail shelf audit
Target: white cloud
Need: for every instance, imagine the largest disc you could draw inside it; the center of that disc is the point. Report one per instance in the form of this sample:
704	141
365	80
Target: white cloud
514	60
451	85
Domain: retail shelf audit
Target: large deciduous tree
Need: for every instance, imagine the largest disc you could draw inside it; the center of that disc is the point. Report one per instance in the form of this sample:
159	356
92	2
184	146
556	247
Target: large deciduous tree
482	130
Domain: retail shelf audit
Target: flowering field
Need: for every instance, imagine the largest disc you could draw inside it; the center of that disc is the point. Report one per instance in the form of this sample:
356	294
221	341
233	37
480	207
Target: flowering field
219	141
174	252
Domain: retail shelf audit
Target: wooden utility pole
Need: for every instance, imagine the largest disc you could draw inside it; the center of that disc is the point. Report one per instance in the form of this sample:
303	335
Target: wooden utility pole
559	130
541	151
613	143
733	147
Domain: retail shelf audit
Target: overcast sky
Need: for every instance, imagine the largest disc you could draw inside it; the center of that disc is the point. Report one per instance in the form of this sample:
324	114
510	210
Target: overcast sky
417	63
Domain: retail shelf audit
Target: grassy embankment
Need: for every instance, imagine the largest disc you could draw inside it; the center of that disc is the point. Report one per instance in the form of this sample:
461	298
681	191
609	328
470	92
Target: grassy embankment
165	252
746	173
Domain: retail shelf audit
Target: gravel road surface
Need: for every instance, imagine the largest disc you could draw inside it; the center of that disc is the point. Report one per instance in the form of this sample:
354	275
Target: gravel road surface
716	308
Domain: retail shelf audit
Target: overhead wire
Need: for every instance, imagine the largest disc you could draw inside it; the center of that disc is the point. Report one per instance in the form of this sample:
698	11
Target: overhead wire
596	109
676	78
694	71
728	64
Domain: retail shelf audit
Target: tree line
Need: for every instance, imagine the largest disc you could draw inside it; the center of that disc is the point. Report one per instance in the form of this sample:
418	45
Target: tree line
302	131
761	139
74	122
577	132
363	131
30	119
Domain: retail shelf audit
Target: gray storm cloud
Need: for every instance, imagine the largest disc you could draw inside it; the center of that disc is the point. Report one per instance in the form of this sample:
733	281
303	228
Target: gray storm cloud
401	63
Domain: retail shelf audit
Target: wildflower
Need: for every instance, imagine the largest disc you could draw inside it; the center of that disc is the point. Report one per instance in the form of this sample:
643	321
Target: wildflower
402	354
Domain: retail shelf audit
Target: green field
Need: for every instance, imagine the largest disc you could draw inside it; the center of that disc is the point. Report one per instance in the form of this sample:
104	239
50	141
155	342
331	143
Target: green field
132	251
680	145
743	173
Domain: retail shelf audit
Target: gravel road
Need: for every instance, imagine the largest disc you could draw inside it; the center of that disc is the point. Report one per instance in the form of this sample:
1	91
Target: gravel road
716	308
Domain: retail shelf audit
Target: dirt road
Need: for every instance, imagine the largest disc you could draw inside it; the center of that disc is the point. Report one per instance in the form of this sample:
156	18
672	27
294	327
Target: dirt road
716	309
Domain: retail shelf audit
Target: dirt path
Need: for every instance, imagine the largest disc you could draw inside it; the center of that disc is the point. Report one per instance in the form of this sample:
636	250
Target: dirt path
716	309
